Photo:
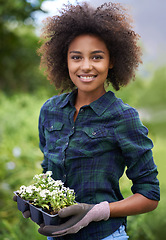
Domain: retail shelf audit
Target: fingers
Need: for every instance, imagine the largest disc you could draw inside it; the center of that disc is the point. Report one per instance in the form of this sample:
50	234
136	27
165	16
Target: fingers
15	198
60	235
50	230
69	211
44	232
42	225
26	214
74	229
47	230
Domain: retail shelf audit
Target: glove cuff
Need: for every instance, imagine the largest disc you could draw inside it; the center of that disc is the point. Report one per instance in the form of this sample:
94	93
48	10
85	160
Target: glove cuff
104	209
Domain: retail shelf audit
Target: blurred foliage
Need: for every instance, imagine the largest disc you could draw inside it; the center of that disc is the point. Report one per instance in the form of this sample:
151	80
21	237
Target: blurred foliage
146	93
18	10
155	94
19	63
19	160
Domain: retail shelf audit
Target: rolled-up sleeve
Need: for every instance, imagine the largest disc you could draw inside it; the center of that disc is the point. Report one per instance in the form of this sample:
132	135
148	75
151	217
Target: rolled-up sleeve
136	149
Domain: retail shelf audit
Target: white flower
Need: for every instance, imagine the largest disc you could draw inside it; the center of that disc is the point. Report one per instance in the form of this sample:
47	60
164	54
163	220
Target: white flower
37	189
47	191
36	177
29	190
23	188
49	173
43	194
58	183
53	193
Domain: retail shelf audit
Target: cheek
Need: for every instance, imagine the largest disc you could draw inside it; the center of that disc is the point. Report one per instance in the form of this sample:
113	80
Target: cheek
72	75
69	65
104	70
103	67
70	70
72	67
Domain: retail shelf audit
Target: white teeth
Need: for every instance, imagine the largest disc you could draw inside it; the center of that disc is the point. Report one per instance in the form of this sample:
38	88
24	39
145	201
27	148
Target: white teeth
87	77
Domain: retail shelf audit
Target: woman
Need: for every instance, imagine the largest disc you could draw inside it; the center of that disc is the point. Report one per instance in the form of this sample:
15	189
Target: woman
89	136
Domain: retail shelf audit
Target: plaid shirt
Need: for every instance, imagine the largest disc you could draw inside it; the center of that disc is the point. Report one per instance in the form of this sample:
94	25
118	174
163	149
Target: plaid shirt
90	154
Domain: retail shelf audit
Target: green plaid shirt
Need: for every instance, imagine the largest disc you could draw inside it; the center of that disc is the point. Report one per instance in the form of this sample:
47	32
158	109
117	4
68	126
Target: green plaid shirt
90	154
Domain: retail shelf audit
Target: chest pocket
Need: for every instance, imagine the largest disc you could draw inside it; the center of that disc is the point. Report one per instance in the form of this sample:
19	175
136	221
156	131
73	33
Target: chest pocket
96	141
96	133
53	131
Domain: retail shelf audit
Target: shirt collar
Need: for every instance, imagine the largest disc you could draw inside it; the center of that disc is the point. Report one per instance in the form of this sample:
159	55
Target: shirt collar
69	98
99	106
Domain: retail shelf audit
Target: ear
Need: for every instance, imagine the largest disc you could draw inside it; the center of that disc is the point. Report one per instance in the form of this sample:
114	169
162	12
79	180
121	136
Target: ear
111	65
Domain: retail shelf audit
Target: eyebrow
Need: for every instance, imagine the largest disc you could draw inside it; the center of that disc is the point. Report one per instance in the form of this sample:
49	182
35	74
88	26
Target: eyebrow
94	52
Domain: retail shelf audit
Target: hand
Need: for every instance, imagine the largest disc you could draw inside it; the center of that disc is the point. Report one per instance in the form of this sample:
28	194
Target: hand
81	215
25	214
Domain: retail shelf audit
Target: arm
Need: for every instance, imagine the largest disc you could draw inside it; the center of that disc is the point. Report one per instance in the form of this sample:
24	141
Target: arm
82	214
136	149
135	204
42	141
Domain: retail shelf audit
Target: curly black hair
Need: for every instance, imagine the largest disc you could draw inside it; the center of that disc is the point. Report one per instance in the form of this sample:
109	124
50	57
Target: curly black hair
110	22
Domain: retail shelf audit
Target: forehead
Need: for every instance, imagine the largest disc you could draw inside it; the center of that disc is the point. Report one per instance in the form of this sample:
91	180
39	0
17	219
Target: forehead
87	42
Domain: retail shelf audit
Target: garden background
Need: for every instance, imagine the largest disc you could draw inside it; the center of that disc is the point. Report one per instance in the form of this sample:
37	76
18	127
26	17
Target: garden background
23	90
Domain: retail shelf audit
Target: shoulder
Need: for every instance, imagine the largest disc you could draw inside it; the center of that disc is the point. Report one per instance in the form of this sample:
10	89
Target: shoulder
122	110
52	106
127	118
54	101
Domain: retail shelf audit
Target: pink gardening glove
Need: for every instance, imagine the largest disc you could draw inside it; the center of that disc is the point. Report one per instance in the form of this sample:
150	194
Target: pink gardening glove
81	215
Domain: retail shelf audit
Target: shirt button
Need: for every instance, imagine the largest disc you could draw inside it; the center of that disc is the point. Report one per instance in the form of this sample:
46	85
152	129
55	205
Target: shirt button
73	127
66	144
81	110
64	175
63	159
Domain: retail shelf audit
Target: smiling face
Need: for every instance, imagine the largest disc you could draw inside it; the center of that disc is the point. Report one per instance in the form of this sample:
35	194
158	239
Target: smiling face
88	63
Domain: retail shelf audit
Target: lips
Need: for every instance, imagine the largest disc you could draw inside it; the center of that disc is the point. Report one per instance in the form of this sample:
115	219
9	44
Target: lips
87	78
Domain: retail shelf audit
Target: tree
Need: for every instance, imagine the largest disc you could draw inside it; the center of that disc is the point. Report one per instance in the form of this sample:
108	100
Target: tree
18	59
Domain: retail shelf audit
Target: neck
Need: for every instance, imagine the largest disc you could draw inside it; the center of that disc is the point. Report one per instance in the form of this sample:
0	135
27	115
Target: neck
85	98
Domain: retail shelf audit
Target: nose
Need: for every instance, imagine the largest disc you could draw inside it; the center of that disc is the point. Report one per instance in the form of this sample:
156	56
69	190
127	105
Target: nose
86	65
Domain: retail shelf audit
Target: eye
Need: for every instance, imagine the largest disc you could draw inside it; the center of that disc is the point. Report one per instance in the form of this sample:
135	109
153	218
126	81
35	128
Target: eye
76	57
97	57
